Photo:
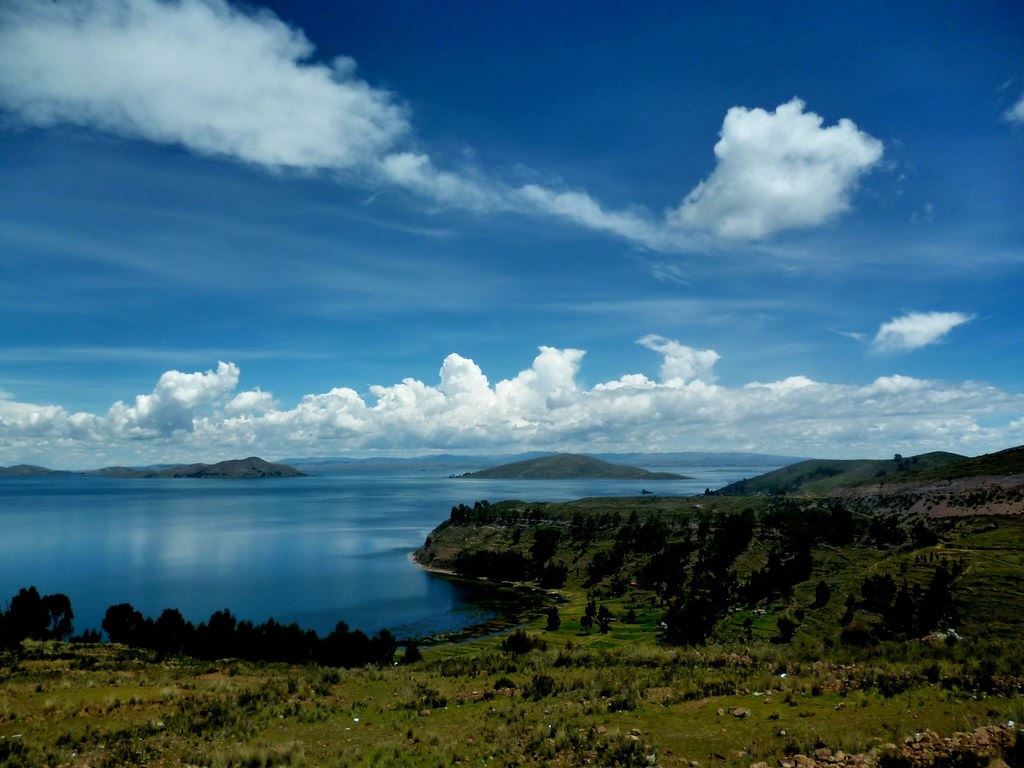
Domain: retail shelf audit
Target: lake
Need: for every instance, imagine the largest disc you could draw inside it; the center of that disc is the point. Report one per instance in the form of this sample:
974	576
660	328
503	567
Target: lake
314	550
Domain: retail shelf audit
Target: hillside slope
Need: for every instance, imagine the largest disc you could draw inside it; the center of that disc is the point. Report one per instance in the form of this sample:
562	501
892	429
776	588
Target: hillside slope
819	477
1008	462
568	466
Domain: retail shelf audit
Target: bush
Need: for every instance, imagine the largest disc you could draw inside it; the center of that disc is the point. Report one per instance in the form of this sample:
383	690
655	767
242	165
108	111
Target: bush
822	594
520	642
540	687
554	620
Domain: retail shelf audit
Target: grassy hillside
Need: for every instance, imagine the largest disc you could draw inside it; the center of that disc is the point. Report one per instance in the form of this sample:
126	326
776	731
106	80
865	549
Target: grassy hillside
1008	462
608	546
568	466
819	477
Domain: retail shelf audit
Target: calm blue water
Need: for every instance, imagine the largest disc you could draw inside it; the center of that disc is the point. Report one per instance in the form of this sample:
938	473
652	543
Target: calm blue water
313	550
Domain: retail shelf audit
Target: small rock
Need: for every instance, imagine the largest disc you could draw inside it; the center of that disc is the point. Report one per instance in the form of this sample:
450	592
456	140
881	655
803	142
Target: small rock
759	765
740	713
720	712
424	712
822	754
602	729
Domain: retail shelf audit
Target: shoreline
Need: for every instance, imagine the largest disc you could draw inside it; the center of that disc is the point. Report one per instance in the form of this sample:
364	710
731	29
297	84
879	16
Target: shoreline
533	604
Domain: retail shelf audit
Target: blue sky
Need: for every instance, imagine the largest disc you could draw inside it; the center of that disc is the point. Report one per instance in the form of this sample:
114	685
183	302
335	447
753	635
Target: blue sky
188	183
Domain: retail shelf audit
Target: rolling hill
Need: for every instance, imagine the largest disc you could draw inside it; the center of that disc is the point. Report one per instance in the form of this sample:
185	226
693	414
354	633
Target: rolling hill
568	466
1008	462
819	477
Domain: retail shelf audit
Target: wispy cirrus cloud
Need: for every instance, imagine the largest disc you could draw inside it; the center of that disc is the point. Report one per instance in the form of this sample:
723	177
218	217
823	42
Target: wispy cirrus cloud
917	329
1015	114
226	82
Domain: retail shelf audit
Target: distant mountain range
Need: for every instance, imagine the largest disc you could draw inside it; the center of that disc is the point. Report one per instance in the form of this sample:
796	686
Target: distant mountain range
449	462
243	469
567	466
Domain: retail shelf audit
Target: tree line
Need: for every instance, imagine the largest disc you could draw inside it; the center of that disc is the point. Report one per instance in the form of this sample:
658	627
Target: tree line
30	615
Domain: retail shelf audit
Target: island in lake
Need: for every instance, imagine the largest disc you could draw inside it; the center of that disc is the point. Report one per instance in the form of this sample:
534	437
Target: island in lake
567	466
233	469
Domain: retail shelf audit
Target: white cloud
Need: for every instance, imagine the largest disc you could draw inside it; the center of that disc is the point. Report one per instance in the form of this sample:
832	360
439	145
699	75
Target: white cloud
227	82
778	170
173	403
582	209
681	363
250	402
917	329
190	416
1016	112
417	172
199	73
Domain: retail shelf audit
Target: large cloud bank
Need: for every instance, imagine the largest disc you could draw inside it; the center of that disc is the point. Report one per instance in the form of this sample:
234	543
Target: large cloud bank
228	82
203	415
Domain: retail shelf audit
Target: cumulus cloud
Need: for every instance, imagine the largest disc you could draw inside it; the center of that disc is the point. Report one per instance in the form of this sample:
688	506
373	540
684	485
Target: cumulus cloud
682	363
169	410
917	329
778	170
229	82
173	403
544	406
251	401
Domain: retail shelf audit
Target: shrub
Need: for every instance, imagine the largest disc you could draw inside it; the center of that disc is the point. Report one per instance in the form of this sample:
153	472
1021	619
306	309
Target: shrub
540	686
520	642
554	620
